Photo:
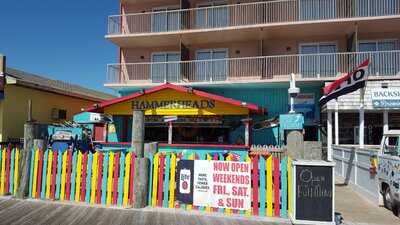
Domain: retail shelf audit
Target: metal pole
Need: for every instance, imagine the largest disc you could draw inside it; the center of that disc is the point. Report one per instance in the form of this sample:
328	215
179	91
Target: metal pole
361	119
336	122
170	132
329	128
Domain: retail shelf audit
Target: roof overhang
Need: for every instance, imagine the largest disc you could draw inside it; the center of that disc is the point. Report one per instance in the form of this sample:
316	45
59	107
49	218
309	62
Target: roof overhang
169	99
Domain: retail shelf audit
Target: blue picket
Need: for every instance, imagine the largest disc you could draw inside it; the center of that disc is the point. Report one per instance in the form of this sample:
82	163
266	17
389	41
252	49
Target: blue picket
89	177
150	177
31	172
284	188
166	180
262	185
104	181
44	174
121	178
73	175
58	178
12	171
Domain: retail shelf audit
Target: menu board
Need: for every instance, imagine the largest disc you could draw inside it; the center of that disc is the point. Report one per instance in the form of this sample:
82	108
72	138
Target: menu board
314	193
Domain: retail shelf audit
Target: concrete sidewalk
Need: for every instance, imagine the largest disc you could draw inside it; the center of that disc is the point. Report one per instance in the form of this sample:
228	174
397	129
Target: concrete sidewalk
357	210
36	212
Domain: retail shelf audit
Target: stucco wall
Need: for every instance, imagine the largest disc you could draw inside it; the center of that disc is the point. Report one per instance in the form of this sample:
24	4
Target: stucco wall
15	107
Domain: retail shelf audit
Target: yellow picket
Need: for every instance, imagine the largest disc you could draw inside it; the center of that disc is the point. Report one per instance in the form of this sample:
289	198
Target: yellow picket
48	175
172	182
109	179
127	178
78	177
155	179
3	171
63	175
94	178
35	168
16	171
269	186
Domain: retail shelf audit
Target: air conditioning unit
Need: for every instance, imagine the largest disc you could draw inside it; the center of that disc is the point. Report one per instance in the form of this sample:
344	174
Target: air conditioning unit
58	114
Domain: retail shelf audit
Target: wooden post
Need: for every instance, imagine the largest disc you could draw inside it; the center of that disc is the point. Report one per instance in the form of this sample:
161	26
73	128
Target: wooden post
141	176
138	132
336	122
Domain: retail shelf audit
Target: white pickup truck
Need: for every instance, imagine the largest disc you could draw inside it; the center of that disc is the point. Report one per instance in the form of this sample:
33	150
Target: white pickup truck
389	170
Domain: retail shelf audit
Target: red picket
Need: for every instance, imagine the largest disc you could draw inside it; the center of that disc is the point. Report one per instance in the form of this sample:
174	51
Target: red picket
99	178
68	181
131	179
255	184
7	175
39	175
276	187
115	180
54	173
83	177
160	181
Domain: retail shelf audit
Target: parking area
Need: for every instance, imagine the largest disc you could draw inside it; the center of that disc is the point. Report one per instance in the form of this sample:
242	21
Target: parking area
357	210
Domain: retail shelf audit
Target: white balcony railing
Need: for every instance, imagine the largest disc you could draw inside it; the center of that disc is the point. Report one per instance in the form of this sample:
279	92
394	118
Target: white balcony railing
307	66
245	14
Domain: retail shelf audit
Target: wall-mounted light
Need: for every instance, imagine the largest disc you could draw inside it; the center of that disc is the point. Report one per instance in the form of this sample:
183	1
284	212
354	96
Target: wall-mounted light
237	52
384	85
141	57
141	91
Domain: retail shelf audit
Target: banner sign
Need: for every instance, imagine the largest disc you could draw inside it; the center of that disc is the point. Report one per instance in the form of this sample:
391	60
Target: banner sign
385	97
219	184
304	103
184	181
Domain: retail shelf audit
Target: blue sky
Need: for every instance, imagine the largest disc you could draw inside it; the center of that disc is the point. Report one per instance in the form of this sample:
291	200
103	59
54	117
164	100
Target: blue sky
62	39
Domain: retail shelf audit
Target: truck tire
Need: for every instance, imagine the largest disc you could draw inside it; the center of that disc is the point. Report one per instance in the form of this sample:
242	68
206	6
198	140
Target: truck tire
388	199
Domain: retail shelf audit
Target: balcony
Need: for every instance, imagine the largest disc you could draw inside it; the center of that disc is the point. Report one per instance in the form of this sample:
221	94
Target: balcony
307	67
250	16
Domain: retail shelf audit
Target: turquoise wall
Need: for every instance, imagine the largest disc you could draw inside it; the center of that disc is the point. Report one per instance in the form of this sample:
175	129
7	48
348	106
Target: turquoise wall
272	96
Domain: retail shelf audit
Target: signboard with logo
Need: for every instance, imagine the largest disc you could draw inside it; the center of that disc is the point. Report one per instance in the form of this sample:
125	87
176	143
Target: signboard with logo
170	102
304	103
219	184
385	97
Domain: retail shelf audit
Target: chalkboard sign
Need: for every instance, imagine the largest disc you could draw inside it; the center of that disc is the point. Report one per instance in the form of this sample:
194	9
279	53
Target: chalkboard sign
314	192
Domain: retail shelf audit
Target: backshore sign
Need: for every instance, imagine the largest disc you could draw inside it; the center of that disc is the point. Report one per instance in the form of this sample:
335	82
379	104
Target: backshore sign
218	184
386	97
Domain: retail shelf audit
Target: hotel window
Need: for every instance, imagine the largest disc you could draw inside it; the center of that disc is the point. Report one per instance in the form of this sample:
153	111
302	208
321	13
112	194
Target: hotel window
318	60
212	65
165	67
165	19
384	58
212	14
376	7
317	9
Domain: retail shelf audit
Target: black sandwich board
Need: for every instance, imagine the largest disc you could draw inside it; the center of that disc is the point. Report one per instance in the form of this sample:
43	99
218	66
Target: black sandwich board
313	192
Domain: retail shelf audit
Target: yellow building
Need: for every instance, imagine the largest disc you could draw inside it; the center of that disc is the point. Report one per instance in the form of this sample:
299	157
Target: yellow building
52	101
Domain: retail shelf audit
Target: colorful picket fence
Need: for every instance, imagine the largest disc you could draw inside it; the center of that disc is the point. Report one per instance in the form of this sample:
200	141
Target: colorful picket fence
9	160
95	178
271	179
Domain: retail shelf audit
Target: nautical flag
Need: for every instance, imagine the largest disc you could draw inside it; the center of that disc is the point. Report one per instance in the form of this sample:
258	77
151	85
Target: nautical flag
347	83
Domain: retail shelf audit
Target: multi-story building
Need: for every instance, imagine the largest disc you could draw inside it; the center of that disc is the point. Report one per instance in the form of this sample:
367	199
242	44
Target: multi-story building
246	50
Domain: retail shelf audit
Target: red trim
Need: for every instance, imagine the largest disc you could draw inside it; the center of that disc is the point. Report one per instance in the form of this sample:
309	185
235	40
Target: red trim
252	107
